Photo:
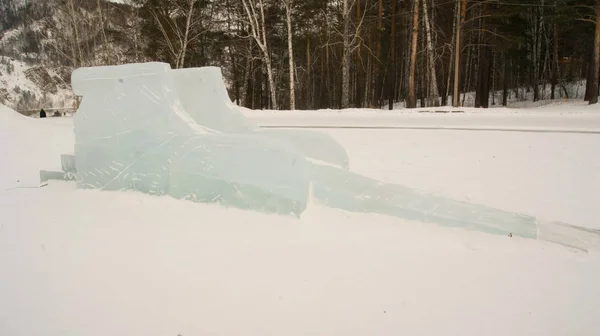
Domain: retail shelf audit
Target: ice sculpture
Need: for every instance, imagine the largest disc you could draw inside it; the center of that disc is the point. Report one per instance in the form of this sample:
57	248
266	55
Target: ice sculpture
148	128
132	133
349	191
205	98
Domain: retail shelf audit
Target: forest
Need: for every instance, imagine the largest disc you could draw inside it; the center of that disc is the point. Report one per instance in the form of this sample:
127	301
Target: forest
317	54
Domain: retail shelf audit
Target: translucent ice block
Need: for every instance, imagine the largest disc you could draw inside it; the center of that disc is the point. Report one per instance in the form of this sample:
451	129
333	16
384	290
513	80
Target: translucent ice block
132	133
341	189
204	96
147	128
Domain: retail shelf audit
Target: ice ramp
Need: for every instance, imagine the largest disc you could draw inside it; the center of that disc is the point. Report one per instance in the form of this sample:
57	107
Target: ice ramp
67	173
138	129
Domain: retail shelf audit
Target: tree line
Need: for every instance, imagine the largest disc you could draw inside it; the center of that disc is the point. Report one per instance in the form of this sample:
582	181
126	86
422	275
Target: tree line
311	54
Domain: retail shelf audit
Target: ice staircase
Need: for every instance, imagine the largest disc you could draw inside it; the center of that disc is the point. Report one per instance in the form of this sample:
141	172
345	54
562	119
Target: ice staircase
69	169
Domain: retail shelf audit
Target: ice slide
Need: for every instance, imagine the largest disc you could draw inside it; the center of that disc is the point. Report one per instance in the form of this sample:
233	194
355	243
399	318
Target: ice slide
148	128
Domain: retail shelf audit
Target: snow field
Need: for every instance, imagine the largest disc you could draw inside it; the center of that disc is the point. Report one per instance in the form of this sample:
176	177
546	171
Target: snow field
101	263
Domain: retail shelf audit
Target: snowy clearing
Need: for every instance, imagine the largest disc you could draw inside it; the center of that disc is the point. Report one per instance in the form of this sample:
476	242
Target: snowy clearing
563	116
103	263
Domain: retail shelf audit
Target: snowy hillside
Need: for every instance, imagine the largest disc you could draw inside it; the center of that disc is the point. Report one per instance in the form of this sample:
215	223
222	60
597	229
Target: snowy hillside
25	87
37	53
115	263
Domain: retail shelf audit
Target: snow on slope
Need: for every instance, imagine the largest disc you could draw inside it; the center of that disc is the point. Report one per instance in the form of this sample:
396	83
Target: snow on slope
100	263
15	82
29	145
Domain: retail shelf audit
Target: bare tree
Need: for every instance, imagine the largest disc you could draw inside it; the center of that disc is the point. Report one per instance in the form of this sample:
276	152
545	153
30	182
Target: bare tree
412	100
77	54
256	20
103	30
596	60
347	5
554	56
178	42
433	87
378	70
288	14
451	61
461	12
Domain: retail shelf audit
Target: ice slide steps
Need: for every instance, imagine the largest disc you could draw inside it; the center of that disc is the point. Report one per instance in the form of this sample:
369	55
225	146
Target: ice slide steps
69	170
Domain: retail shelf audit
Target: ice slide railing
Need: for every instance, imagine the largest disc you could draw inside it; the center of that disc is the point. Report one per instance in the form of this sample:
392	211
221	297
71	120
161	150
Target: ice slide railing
148	128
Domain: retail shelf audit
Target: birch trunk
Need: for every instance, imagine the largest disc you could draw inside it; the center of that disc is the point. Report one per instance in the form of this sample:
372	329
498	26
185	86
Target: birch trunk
288	15
346	56
359	68
460	20
596	60
310	100
188	24
412	101
77	47
392	74
554	62
377	66
452	43
260	37
103	30
505	83
433	99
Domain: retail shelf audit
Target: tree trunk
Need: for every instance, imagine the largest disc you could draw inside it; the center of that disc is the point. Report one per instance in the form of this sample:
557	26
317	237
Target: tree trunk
460	20
590	75
535	55
505	83
79	56
260	37
188	23
554	62
369	82
328	83
483	72
236	81
248	92
433	99
596	61
234	63
540	33
412	101
359	73
322	84
392	72
378	66
288	14
310	101
451	62
103	30
493	78
346	56
468	73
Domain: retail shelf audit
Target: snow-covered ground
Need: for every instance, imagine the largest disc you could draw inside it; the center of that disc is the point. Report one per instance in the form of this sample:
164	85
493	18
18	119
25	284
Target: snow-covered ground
555	116
78	262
